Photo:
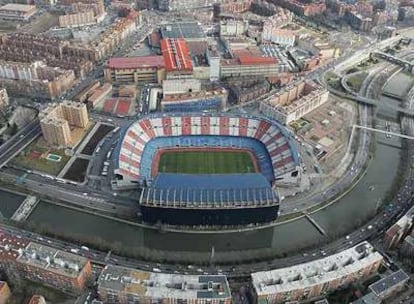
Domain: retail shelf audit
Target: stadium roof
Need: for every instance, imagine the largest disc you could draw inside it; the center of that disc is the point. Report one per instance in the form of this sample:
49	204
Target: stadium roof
226	190
176	55
135	62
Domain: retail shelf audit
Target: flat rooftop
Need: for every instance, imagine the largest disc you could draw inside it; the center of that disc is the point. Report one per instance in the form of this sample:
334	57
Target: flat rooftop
185	30
53	260
380	287
135	62
315	272
48	258
163	285
17	7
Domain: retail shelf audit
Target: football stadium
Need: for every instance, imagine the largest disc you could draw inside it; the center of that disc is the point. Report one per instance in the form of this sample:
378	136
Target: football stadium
207	169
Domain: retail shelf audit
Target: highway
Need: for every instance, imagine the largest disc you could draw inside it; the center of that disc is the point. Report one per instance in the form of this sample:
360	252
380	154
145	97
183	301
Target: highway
19	141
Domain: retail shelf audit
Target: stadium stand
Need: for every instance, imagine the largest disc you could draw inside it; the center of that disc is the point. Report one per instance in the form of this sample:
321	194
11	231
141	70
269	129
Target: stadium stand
269	141
272	145
207	199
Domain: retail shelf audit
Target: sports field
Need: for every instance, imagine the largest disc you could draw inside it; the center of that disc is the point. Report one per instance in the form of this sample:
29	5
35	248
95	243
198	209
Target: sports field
206	162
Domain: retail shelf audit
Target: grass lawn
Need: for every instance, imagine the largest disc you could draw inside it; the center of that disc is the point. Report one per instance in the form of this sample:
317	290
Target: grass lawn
206	162
41	164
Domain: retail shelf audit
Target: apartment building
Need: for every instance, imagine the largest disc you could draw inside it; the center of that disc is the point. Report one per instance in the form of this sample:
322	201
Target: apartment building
294	101
24	47
231	7
5	292
77	19
35	79
135	70
397	232
306	281
55	122
37	299
302	8
21	258
75	113
13	11
4	98
127	285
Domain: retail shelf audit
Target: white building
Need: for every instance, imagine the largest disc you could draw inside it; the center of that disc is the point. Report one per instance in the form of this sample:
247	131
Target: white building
306	281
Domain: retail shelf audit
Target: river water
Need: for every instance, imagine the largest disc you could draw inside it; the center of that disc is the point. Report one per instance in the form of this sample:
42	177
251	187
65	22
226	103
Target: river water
336	219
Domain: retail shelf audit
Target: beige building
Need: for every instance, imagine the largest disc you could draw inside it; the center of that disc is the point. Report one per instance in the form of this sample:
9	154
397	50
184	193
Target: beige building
75	113
56	131
294	101
77	19
55	121
13	11
4	292
4	98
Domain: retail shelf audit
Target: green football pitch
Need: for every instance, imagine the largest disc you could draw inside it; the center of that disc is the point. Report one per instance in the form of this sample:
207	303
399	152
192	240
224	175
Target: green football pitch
206	162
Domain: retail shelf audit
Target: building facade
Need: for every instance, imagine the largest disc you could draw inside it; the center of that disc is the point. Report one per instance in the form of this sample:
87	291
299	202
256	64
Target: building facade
55	122
5	292
304	282
294	101
135	70
4	98
35	79
127	285
13	11
21	258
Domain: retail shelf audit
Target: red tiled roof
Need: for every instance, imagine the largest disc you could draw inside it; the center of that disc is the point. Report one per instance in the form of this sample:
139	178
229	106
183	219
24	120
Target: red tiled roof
135	62
254	60
35	299
176	55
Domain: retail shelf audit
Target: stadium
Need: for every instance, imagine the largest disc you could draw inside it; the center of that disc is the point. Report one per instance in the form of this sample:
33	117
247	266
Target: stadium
207	169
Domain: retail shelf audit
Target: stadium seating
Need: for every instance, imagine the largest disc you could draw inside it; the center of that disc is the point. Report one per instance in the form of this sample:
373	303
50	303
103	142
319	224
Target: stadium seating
270	142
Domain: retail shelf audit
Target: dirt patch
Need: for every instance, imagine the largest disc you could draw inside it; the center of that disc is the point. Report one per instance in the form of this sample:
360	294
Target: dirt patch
96	138
77	170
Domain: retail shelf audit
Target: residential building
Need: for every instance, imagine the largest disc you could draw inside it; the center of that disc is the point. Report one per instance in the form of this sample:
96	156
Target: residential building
135	70
302	8
182	5
294	101
303	282
231	7
5	292
75	113
390	285
358	21
83	95
4	98
56	131
56	119
77	19
205	100
20	258
13	11
397	232
233	27
35	79
127	285
37	299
